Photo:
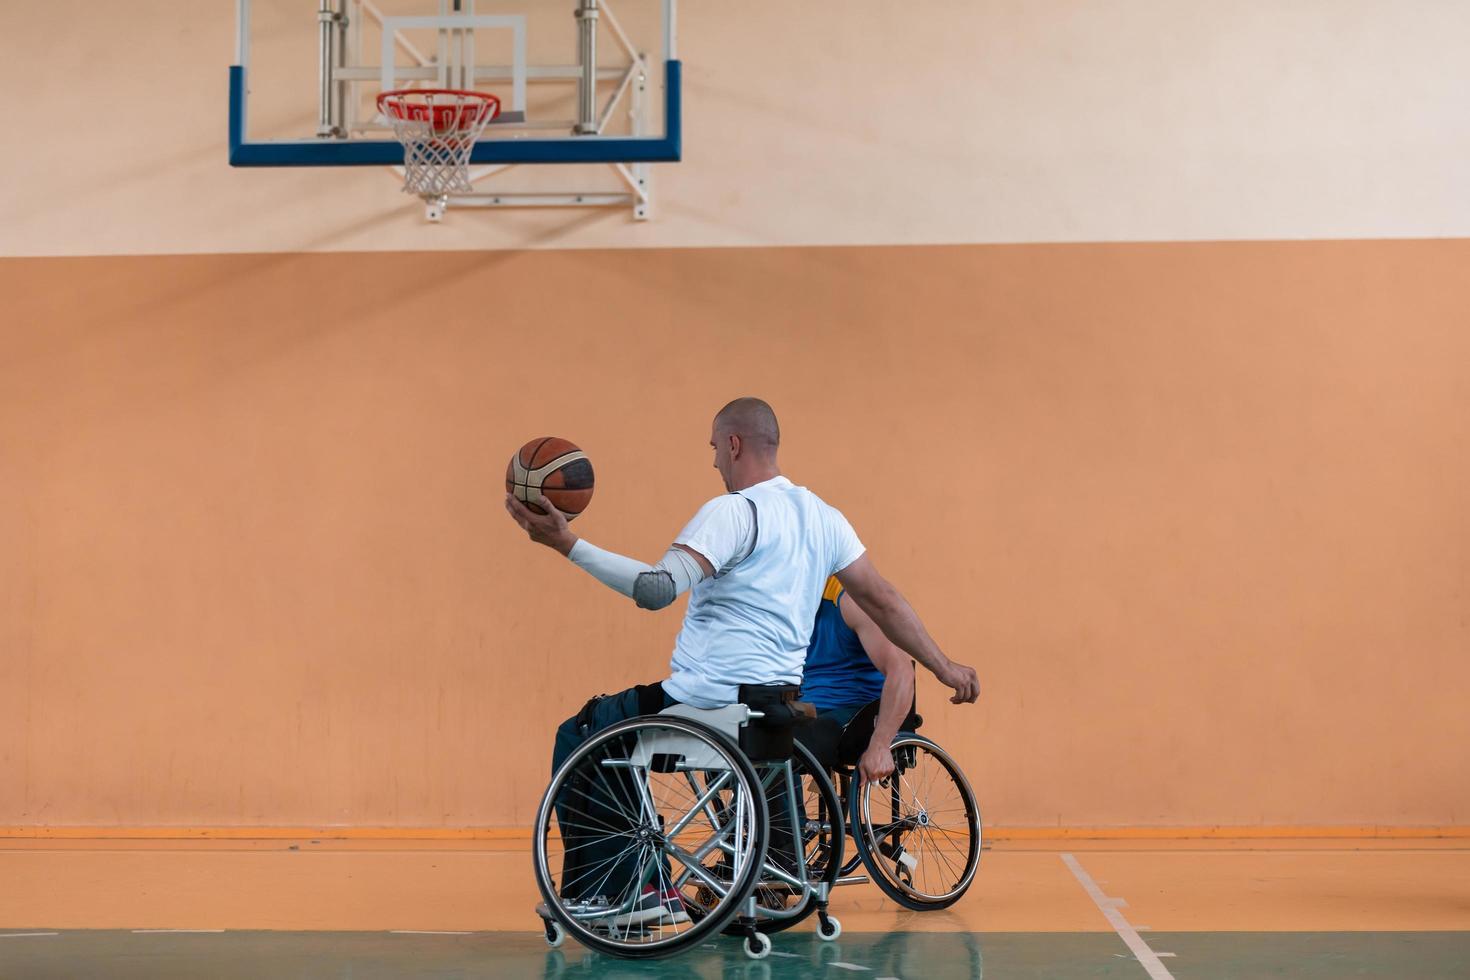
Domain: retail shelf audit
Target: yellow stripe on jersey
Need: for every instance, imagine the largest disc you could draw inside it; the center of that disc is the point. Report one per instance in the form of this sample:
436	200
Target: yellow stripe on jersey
833	590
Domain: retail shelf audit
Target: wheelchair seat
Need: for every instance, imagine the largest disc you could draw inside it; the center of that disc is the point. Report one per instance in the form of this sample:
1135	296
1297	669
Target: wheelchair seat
761	724
727	720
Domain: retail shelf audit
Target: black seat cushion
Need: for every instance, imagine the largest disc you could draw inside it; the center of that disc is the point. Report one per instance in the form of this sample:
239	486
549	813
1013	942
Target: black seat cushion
821	738
770	736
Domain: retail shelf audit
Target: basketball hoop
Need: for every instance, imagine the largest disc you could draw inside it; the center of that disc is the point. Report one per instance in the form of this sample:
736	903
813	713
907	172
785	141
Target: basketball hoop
438	129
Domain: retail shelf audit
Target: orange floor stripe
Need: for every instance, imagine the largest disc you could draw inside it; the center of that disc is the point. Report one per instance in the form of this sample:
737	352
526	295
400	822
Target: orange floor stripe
524	833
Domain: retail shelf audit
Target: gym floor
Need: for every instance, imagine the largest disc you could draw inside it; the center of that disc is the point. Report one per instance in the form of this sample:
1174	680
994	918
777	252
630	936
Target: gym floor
1039	908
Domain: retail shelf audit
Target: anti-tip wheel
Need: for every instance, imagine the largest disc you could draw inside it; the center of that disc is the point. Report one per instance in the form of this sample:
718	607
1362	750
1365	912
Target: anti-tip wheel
758	946
828	928
555	934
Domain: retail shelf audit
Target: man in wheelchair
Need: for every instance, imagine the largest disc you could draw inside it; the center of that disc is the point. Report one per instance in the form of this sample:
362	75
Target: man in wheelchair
914	818
850	665
754	562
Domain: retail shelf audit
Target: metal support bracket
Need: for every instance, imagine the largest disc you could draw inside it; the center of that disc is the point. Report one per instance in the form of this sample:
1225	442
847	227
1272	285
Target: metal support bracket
339	130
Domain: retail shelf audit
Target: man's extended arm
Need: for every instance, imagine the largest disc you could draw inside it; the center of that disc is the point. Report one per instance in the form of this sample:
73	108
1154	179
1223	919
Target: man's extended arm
877	597
650	586
898	690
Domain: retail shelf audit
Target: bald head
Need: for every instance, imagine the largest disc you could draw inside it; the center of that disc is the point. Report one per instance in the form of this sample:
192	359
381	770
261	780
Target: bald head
753	421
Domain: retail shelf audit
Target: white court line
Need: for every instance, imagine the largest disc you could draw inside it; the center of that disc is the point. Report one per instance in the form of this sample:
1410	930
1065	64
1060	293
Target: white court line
1109	909
850	966
22	935
427	932
139	931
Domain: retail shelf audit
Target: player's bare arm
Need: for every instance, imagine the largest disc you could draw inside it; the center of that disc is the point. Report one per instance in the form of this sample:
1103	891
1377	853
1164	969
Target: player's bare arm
898	690
877	597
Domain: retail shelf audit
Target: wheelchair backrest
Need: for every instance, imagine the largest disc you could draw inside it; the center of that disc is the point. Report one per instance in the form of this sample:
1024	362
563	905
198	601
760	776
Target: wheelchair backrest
855	736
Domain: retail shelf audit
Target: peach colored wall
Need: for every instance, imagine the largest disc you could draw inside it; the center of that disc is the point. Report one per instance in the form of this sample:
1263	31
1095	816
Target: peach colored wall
1196	512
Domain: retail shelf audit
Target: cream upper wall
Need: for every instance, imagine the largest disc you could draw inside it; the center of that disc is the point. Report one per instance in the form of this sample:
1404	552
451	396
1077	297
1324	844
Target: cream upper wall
868	123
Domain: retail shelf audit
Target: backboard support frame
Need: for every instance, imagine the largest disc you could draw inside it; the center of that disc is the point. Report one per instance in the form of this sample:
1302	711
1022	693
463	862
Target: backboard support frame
628	156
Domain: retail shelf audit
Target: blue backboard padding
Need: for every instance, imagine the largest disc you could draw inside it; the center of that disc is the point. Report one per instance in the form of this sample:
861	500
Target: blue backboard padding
389	153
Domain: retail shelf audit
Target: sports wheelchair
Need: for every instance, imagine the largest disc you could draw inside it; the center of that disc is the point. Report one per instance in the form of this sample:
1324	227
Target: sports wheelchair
917	832
663	830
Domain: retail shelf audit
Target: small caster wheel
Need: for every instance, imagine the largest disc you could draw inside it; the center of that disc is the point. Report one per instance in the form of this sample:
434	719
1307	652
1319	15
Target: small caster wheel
757	945
828	928
555	934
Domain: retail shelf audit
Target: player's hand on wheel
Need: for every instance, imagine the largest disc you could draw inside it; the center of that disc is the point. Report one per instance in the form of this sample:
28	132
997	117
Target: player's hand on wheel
550	528
876	763
963	681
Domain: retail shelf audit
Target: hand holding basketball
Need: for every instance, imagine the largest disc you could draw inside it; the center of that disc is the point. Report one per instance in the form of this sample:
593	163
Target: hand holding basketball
548	482
550	528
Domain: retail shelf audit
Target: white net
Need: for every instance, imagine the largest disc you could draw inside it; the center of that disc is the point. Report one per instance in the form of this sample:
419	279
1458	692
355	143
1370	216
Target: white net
438	129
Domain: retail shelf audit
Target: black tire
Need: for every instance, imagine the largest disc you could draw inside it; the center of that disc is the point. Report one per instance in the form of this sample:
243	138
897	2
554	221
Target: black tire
620	742
940	833
846	778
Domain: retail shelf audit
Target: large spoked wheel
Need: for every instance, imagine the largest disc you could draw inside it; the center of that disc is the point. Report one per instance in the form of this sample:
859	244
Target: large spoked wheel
650	837
918	831
819	819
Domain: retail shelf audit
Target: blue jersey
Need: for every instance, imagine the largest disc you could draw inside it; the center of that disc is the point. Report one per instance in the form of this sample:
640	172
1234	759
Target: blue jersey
838	672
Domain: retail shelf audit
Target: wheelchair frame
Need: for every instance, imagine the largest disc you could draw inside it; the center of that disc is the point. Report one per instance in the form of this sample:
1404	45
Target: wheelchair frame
733	801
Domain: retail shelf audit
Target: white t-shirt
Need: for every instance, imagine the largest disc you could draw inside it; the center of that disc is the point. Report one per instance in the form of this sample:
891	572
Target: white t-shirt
773	546
723	531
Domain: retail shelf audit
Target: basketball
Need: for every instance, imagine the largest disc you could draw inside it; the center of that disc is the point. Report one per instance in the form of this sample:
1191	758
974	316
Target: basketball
552	468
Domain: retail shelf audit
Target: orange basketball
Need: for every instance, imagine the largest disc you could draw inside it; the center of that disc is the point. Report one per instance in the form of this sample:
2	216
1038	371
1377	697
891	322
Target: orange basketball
553	468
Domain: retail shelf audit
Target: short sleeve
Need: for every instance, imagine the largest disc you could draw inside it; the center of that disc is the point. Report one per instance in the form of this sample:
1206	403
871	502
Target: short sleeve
721	531
846	548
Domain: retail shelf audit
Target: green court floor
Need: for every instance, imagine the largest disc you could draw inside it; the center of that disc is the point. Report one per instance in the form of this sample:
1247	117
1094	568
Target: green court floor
122	955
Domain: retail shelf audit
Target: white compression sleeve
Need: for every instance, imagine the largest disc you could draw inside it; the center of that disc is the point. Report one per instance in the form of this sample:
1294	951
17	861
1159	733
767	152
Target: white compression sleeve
612	570
651	586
